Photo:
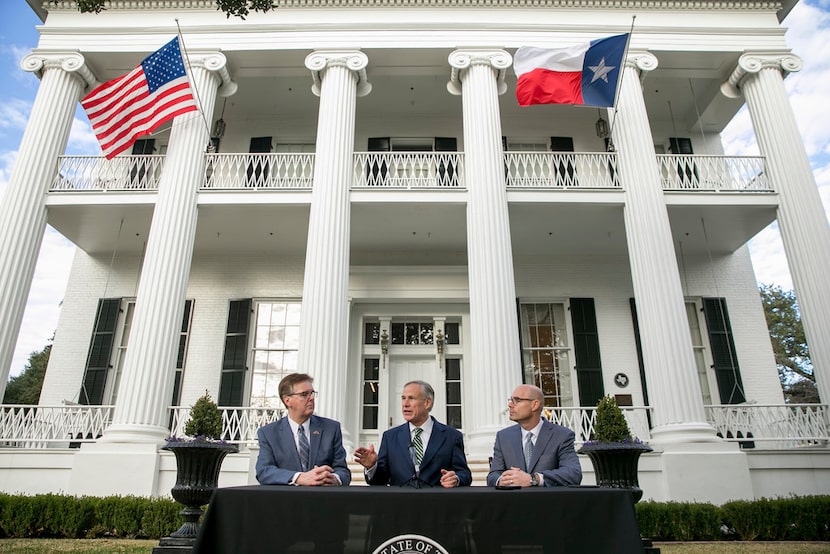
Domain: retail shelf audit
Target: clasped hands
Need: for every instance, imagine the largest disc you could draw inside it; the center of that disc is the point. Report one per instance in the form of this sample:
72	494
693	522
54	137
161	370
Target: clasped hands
318	476
367	457
513	477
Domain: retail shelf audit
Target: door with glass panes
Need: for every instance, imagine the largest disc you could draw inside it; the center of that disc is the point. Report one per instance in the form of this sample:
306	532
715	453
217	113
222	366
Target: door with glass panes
397	350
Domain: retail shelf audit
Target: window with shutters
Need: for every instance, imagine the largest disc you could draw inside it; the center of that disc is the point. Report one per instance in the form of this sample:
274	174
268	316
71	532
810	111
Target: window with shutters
275	350
546	352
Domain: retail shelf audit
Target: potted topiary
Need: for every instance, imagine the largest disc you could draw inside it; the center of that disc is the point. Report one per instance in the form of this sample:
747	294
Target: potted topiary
198	461
613	452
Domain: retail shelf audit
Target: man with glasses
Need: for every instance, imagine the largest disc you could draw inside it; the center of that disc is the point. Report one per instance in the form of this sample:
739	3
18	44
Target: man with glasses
536	452
301	448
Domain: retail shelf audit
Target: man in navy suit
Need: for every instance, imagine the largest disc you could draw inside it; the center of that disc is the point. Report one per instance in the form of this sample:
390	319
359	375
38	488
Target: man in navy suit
421	452
302	448
534	453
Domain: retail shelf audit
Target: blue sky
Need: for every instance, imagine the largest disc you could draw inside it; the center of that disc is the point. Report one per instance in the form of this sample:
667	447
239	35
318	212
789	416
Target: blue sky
808	36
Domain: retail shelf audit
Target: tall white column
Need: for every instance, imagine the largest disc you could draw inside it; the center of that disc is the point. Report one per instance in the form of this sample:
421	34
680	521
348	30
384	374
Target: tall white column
674	390
339	78
478	76
23	211
146	385
801	217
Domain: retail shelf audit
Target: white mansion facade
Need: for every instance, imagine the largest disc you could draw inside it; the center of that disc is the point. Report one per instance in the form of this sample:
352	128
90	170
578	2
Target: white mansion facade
377	208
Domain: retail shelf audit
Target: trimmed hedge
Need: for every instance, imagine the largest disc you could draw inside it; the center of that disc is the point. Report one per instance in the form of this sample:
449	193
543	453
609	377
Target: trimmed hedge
52	515
805	518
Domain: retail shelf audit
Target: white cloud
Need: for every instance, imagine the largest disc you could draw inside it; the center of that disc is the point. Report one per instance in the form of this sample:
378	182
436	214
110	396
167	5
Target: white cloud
43	307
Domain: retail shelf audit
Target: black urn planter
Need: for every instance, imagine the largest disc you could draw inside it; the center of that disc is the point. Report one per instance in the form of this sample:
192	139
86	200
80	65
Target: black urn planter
615	464
197	475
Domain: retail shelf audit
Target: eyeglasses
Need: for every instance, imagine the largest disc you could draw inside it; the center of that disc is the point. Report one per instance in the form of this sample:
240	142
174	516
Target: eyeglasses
304	394
516	400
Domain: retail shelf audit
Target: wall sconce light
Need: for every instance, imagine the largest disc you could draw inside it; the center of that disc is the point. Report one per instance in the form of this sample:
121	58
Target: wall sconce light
219	124
439	345
601	126
384	345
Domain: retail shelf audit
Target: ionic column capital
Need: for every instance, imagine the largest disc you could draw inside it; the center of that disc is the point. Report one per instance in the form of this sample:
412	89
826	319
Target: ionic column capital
461	60
641	60
71	62
354	60
214	62
753	62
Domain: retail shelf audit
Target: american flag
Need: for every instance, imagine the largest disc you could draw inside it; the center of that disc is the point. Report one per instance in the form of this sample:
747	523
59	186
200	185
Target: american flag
135	104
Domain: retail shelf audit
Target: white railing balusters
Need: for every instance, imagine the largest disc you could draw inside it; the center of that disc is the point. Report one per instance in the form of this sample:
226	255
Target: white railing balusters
713	173
239	425
772	425
96	173
563	170
408	170
259	171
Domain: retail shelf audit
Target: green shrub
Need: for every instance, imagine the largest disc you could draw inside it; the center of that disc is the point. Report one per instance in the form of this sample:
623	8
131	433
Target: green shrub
679	521
205	419
161	517
610	424
120	516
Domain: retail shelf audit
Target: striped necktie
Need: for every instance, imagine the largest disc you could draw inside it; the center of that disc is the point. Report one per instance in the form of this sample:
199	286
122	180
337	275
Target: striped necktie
302	439
419	446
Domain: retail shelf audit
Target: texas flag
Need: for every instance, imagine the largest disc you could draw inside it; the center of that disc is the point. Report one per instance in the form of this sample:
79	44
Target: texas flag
586	74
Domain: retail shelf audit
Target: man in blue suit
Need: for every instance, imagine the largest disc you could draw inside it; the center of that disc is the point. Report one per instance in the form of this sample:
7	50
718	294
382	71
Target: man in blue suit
421	452
301	448
534	453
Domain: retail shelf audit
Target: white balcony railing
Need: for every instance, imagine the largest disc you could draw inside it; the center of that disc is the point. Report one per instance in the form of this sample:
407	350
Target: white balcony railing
772	425
27	426
408	170
239	425
713	173
259	171
581	421
560	170
96	173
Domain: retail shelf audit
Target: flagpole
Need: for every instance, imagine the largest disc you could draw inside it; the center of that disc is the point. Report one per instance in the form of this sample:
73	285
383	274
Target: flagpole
192	84
619	81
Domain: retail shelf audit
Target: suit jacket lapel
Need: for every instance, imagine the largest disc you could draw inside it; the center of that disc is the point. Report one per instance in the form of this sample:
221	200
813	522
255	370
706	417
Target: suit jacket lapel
314	436
545	434
286	440
404	439
436	441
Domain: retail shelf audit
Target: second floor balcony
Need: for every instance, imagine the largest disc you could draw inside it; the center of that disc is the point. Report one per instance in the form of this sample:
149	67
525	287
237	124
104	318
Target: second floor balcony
414	170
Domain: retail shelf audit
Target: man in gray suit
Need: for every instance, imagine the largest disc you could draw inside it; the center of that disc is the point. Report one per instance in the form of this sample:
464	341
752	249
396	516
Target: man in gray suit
301	448
536	452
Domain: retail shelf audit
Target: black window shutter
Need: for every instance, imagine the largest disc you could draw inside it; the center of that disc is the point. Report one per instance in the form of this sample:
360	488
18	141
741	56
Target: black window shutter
564	169
586	350
379	144
236	354
686	168
99	357
180	356
141	147
679	145
724	356
446	173
377	171
258	170
639	345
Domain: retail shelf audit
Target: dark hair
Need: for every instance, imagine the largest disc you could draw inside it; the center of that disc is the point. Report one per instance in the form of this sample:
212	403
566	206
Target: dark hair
287	384
426	390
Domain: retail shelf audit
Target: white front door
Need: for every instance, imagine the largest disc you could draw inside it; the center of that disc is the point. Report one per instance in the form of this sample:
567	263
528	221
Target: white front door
410	368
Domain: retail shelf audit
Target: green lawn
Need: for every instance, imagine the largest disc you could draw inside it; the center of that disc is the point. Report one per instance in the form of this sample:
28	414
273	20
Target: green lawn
111	546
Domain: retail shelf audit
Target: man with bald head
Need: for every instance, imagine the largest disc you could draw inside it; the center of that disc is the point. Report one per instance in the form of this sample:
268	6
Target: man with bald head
536	452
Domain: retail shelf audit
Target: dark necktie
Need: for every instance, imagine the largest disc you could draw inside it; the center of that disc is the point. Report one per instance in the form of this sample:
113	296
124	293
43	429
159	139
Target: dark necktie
303	441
